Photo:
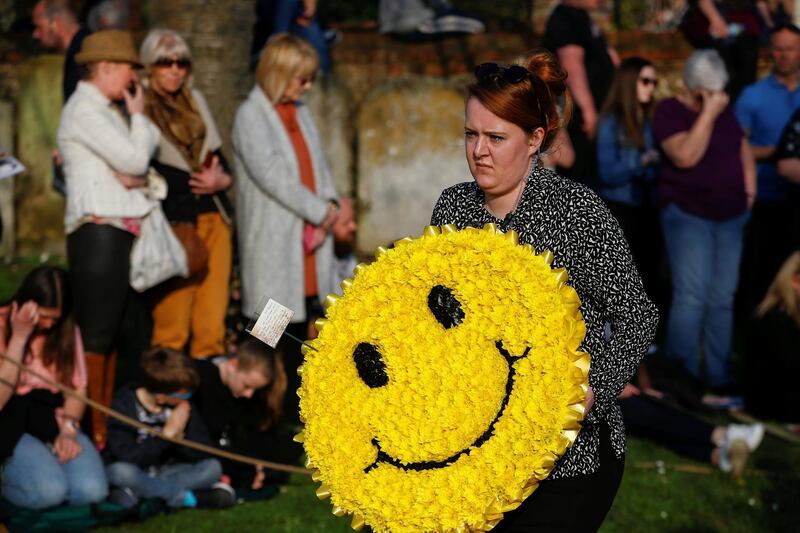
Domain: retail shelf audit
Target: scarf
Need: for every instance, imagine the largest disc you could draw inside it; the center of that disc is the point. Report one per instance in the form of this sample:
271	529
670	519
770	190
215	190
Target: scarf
179	120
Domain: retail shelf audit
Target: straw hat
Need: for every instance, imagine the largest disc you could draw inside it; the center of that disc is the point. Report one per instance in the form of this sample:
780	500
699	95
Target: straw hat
108	45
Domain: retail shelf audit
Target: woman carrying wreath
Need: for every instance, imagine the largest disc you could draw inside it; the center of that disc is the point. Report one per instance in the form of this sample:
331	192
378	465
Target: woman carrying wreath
511	117
190	159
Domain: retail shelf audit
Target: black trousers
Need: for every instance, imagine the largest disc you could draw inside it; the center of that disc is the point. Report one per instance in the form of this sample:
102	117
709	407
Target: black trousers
678	431
99	265
574	504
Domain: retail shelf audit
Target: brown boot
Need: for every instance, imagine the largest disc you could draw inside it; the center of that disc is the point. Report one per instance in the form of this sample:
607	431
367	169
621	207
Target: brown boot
100	368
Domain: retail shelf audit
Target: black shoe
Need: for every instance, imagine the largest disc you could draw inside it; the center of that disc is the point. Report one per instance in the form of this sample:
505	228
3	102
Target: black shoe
219	496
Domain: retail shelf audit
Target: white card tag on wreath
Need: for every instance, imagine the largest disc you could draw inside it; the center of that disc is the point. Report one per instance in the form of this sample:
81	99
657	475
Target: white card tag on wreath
271	323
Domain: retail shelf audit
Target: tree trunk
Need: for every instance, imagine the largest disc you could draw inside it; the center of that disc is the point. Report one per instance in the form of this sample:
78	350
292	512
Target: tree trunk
219	34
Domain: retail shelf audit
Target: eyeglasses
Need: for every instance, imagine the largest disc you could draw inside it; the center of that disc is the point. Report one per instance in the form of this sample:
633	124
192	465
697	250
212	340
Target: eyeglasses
180	395
181	63
510	74
648	81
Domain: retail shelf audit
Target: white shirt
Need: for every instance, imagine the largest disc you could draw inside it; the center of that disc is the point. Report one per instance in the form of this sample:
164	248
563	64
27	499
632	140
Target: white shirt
95	141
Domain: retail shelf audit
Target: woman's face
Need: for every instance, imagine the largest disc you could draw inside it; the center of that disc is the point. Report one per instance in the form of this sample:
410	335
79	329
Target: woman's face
498	152
299	85
117	77
244	383
48	318
646	84
167	75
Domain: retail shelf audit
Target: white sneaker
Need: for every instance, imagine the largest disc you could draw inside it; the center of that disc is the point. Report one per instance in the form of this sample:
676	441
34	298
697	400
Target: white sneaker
751	434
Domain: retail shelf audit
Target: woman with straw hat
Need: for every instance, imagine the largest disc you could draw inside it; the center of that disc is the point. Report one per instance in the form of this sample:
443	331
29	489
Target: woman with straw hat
107	150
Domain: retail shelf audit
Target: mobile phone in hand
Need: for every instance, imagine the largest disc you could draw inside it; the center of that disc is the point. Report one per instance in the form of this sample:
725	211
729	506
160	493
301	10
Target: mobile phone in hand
207	162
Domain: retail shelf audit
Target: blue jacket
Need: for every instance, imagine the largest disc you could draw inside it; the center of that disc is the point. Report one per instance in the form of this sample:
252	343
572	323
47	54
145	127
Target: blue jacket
623	179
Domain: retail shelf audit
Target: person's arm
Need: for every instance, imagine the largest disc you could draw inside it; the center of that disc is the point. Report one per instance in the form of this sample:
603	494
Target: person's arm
616	165
789	168
561	153
687	148
571	58
23	321
128	154
605	269
750	176
748	109
717	26
123	441
265	165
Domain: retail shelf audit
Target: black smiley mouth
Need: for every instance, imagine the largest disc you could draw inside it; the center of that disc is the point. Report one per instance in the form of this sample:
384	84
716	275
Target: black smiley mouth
384	457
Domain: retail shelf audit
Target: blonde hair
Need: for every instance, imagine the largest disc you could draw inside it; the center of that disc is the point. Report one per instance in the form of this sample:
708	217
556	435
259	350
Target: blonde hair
163	44
283	57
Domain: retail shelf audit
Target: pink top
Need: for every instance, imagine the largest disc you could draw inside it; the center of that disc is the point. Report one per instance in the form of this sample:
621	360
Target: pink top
33	359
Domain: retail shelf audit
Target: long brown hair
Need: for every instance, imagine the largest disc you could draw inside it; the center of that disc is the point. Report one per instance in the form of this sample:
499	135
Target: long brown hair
532	102
623	102
255	355
48	286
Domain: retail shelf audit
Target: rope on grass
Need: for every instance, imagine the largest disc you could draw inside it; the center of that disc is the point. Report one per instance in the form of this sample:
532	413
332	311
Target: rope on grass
154	432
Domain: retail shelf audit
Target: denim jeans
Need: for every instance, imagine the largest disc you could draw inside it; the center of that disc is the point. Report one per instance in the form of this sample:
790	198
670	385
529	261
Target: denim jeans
34	479
704	257
286	14
169	483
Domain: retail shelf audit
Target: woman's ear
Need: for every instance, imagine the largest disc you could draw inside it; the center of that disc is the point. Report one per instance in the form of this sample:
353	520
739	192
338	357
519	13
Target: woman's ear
535	141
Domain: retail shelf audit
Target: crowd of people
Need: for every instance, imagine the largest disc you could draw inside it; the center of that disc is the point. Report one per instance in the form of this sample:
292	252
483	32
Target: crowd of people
699	181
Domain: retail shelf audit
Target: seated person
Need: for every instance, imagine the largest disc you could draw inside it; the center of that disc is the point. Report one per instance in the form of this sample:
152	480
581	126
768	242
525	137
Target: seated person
240	398
45	458
647	414
145	466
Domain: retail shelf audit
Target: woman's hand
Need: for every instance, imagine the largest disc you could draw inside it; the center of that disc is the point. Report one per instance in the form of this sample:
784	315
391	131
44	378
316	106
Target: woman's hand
258	480
178	418
715	102
589	399
24	319
629	391
211	179
66	447
130	182
134	103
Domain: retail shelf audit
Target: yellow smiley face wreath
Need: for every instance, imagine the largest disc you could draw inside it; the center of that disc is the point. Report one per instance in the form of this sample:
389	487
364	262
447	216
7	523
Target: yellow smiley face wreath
444	383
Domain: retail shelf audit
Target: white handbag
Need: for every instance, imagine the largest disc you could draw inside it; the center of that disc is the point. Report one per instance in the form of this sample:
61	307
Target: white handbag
157	254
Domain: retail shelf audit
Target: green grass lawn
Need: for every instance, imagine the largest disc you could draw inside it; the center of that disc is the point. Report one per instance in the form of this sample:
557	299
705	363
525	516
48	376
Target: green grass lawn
649	500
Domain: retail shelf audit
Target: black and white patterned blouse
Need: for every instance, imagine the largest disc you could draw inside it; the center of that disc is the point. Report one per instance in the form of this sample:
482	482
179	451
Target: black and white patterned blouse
570	220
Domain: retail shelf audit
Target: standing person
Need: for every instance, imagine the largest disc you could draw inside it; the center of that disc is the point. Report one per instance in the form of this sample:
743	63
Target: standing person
628	161
286	202
56	27
190	158
105	160
45	458
583	52
511	116
707	184
763	110
731	27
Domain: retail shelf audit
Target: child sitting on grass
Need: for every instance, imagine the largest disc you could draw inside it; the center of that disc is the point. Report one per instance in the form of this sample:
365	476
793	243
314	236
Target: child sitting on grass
240	398
144	466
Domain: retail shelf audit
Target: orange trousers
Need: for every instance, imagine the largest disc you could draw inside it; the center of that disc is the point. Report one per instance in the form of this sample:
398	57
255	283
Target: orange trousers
195	308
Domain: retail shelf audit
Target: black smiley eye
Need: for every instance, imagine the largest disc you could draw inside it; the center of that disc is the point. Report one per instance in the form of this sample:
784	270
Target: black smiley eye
445	306
370	365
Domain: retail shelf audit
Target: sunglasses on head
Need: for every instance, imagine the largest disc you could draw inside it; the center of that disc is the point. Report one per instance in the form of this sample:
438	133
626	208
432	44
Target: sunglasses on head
180	63
510	74
648	81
